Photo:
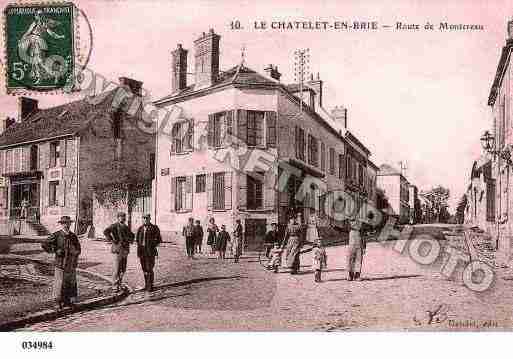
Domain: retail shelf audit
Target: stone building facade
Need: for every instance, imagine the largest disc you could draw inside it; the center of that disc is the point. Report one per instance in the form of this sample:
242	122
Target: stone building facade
57	159
480	209
244	148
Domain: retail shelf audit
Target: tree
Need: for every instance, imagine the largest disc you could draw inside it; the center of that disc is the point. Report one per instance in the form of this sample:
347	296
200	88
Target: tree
438	196
460	209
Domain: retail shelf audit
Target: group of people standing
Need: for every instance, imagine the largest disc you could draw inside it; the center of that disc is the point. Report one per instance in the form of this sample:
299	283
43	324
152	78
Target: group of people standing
287	253
66	247
217	238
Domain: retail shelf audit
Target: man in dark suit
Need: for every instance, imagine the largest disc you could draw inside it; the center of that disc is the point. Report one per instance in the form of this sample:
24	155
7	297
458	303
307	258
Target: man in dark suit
148	239
271	237
66	247
121	237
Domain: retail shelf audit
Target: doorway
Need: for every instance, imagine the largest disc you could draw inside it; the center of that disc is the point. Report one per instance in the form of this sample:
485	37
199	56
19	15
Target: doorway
28	191
255	233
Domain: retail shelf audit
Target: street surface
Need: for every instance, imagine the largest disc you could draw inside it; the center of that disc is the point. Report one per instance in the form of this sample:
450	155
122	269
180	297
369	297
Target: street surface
206	294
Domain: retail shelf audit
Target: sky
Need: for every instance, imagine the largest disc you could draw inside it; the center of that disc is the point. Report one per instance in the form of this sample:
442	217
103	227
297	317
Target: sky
414	96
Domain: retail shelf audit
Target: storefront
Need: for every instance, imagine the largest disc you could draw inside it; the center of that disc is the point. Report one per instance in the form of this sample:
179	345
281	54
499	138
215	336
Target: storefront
25	192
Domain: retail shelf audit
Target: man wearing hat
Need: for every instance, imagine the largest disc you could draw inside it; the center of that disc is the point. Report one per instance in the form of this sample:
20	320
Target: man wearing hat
148	238
66	247
271	237
121	237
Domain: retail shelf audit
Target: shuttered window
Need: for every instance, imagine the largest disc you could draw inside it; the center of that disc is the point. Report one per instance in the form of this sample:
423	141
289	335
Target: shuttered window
255	129
52	193
54	153
332	161
313	151
201	183
300	143
340	166
182	137
270	119
180	199
323	156
255	186
490	201
218	191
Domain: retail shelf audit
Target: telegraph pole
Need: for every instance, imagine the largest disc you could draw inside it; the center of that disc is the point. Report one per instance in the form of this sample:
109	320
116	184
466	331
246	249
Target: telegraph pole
301	70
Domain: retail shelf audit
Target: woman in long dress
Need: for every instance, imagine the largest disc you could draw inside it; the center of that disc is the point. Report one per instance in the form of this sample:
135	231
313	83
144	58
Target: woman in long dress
312	233
212	235
292	245
356	250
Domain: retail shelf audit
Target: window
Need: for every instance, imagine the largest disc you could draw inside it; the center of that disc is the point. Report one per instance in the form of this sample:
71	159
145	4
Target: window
255	190
490	201
332	161
181	192
54	153
52	193
33	157
255	128
313	151
152	165
340	166
182	136
300	143
360	174
201	181
323	156
218	191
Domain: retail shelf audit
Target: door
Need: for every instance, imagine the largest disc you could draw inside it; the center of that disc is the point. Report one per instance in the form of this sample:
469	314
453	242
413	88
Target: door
254	234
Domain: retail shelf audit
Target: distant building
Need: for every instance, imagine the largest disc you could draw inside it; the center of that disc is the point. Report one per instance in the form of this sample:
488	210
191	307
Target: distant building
86	159
396	189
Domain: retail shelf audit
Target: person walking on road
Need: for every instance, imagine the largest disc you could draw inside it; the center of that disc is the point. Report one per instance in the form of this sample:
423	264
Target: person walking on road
356	250
292	245
148	239
212	231
222	240
121	237
66	247
188	233
198	236
238	232
319	259
271	238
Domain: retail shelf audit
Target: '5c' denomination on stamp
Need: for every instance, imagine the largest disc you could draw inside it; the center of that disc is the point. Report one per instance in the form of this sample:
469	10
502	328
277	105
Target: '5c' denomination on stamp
39	40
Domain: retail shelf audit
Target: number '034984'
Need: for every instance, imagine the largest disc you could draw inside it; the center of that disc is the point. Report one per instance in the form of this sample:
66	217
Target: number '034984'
37	345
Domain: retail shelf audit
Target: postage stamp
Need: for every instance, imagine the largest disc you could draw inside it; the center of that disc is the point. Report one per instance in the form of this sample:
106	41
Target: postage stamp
39	46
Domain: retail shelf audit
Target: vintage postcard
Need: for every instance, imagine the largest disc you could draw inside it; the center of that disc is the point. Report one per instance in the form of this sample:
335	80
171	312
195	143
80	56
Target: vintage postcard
256	166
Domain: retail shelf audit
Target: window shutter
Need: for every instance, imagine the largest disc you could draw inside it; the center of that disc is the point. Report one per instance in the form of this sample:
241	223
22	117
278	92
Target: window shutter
270	119
61	200
190	135
242	125
188	193
227	190
210	197
62	154
269	191
173	194
243	192
174	134
210	131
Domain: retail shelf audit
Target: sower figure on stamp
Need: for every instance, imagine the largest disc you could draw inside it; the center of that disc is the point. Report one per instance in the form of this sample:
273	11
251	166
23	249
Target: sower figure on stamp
67	248
148	239
121	237
238	232
356	250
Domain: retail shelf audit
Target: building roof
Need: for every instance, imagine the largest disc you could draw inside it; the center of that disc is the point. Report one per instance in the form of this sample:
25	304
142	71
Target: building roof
62	120
499	75
373	165
295	88
357	142
387	170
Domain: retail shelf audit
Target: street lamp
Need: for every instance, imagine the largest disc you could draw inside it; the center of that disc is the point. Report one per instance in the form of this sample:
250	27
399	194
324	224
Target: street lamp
488	143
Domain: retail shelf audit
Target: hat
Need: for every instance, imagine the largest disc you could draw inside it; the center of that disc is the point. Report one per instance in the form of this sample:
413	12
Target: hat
146	215
65	219
121	214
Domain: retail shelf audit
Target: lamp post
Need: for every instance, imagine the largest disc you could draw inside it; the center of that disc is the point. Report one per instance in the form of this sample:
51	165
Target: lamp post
489	145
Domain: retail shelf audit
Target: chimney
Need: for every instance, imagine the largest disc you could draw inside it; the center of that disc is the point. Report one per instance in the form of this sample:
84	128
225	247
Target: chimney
179	69
26	106
272	71
206	53
510	29
316	85
339	114
133	85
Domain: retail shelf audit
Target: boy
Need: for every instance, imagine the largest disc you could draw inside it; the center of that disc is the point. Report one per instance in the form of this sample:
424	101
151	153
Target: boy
320	259
275	260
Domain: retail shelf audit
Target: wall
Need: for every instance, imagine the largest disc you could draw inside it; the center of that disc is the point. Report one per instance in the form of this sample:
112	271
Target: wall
101	165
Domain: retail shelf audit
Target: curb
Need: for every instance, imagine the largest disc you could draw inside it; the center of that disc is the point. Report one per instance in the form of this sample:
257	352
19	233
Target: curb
52	314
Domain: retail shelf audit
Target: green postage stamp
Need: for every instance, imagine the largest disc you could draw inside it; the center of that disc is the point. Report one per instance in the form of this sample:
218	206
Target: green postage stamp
39	41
